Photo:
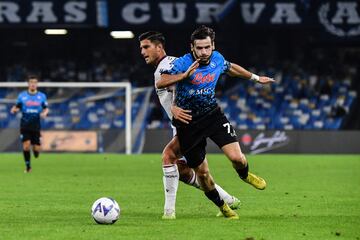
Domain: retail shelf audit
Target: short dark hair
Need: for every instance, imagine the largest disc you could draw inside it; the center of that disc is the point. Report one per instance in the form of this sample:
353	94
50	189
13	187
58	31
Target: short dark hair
153	36
32	76
203	32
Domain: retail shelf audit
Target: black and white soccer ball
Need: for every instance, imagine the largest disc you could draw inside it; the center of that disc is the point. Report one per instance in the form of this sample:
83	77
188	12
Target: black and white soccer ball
105	210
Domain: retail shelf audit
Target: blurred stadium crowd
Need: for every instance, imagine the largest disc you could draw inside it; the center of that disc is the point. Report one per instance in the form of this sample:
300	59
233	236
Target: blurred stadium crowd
316	87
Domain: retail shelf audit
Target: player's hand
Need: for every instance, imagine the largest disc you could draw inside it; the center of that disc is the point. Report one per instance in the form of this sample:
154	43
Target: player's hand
265	80
181	114
191	69
43	114
171	88
14	110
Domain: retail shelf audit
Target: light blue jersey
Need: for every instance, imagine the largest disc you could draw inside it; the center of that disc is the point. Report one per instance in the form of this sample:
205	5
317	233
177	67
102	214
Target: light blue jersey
197	93
31	105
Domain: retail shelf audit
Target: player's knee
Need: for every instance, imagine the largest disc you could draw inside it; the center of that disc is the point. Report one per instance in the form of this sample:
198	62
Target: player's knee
168	157
26	147
37	148
203	174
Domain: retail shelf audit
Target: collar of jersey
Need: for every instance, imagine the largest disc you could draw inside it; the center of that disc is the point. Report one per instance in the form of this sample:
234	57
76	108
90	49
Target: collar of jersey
160	61
33	94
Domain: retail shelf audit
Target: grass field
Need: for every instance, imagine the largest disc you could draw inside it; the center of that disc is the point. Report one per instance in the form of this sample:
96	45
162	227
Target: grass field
308	197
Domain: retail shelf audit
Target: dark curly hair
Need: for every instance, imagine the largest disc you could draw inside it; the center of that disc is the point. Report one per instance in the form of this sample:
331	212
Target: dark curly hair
153	36
203	32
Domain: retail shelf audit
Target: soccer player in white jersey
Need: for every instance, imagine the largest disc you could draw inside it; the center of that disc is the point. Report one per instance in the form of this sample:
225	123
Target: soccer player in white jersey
152	46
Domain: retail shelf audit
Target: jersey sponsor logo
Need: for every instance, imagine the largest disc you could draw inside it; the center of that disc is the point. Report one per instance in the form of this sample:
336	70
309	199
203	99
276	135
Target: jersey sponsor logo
32	103
200	79
202	91
32	111
205	91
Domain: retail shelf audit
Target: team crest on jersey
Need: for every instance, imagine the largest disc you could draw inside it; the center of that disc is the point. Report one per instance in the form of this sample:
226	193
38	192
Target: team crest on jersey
213	65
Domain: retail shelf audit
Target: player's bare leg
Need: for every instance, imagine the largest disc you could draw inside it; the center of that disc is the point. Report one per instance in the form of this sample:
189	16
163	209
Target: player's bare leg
188	176
240	164
208	185
36	150
27	155
206	181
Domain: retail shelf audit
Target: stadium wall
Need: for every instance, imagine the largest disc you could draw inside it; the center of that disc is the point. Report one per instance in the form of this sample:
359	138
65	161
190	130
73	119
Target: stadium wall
68	140
252	141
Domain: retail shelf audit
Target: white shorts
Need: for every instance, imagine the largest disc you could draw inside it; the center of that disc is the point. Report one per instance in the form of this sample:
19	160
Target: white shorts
173	130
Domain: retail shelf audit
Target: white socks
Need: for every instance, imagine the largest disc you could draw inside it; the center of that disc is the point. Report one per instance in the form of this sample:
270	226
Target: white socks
224	195
171	182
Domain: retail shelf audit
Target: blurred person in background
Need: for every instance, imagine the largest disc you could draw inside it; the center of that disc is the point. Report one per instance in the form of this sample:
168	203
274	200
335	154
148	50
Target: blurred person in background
33	106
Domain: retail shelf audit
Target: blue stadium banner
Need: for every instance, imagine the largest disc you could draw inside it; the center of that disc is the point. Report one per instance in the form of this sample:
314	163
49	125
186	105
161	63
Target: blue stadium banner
340	19
49	13
337	18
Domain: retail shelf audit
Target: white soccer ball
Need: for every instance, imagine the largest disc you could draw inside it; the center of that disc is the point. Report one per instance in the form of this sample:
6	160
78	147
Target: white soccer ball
105	210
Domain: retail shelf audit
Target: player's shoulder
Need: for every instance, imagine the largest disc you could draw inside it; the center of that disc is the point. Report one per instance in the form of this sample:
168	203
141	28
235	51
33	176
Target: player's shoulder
171	58
23	94
41	94
217	55
218	59
186	59
168	60
187	56
165	65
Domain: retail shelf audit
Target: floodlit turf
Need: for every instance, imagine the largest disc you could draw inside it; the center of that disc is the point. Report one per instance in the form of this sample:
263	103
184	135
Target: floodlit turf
308	197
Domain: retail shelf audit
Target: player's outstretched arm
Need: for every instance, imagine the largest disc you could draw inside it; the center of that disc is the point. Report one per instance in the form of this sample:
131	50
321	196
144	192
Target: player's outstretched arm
168	80
181	114
14	109
238	71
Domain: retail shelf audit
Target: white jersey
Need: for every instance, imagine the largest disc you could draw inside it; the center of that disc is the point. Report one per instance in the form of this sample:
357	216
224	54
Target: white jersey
165	97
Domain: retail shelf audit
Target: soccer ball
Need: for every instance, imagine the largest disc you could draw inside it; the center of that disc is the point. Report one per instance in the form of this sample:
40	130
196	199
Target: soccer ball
105	210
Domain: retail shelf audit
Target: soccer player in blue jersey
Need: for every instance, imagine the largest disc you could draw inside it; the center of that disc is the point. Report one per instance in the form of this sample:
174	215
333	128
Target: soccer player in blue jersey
33	105
152	46
195	75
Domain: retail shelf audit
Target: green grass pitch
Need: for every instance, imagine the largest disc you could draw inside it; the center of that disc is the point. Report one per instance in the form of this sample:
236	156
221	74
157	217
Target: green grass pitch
308	197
